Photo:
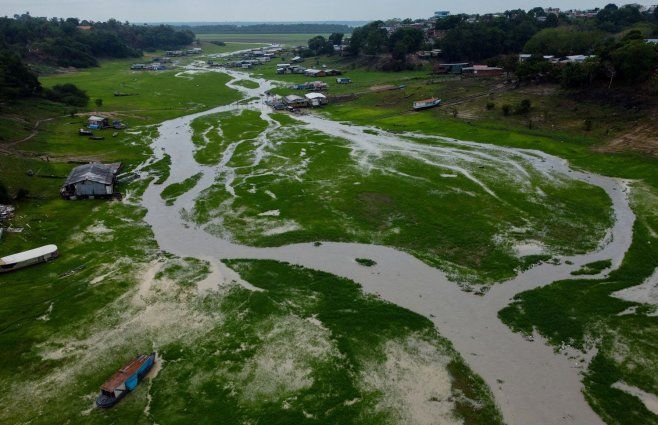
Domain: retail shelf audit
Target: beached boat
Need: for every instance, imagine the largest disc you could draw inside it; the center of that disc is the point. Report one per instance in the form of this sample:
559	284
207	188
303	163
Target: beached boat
426	104
28	258
125	380
83	132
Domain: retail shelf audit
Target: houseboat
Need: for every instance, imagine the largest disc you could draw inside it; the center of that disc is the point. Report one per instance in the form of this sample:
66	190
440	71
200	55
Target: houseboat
28	258
124	380
426	104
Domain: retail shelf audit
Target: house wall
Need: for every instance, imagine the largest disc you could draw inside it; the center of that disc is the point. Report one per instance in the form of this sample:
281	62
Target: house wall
93	189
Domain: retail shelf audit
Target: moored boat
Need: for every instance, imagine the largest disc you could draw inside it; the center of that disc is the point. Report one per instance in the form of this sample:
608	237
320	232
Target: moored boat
28	258
426	104
125	380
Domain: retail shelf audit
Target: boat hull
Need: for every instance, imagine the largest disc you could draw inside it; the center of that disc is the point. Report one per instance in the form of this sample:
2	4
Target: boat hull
107	398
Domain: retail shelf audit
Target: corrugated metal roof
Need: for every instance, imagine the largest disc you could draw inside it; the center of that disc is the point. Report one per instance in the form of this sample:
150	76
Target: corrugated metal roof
95	172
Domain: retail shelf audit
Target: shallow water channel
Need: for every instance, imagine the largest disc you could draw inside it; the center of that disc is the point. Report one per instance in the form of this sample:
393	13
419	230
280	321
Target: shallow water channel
531	383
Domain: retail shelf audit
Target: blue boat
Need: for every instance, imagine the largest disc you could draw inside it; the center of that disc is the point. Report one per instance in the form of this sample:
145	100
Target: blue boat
125	380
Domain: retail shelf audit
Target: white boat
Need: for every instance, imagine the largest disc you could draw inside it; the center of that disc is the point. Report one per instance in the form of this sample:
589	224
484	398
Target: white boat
426	104
28	258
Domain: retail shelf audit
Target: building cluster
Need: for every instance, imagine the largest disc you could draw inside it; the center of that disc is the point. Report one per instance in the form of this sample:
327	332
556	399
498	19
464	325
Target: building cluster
255	57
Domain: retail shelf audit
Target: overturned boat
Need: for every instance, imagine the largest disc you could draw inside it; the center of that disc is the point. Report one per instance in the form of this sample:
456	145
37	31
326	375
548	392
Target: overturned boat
426	104
28	258
125	380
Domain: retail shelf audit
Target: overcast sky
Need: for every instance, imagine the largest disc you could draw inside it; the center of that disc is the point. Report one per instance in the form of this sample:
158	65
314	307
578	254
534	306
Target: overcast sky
268	10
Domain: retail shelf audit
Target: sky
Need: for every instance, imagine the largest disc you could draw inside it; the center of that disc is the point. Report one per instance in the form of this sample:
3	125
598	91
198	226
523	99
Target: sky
270	10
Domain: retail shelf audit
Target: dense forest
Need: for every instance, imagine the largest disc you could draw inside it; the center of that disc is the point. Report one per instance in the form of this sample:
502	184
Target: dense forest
75	43
71	43
614	39
269	29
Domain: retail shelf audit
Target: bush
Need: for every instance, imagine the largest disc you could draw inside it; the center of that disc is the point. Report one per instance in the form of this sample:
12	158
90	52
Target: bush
587	125
507	109
490	106
523	107
68	94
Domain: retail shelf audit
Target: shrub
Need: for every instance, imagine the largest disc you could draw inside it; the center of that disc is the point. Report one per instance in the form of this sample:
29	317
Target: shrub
523	107
507	109
490	106
68	94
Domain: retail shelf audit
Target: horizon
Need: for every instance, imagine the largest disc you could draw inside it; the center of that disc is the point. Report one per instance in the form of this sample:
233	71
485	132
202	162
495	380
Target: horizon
271	11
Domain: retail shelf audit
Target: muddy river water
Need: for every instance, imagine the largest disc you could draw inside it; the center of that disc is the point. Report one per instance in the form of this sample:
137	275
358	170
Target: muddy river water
532	383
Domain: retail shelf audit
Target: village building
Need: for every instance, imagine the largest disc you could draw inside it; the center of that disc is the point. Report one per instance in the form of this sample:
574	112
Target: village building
91	181
316	99
315	73
295	101
95	122
483	71
451	68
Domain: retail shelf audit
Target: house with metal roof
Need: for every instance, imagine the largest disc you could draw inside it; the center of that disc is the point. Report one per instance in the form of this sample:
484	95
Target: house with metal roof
316	99
91	181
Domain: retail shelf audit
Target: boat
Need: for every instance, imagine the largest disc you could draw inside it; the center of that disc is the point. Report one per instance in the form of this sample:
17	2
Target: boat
124	380
426	104
83	132
28	258
96	138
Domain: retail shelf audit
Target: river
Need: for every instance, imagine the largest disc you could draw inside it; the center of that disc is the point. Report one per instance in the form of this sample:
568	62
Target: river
532	384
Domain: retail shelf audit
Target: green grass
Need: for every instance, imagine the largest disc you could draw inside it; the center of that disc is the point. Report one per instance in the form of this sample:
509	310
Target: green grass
362	79
593	268
583	313
215	133
366	262
211	48
173	191
289	39
289	196
340	336
248	84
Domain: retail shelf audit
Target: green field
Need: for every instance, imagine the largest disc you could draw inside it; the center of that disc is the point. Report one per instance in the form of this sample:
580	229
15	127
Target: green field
65	326
288	39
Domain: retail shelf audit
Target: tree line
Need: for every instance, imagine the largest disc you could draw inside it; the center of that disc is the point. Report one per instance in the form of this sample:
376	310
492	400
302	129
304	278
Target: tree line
71	43
74	43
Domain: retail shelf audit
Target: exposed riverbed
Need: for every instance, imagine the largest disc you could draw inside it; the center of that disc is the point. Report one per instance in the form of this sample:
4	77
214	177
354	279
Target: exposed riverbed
531	383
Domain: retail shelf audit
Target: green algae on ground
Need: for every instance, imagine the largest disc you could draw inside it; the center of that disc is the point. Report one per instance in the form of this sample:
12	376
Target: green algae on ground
585	314
298	185
174	190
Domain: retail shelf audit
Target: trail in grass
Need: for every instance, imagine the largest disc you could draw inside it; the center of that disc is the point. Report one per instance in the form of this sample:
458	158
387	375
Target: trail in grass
532	384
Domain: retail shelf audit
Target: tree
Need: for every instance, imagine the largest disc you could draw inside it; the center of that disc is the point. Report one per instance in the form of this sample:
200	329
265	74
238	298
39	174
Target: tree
336	38
635	61
68	94
98	102
16	79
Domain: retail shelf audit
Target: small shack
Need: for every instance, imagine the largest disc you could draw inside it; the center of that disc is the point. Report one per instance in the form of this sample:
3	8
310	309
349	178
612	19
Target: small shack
91	181
295	101
451	68
95	122
315	73
316	99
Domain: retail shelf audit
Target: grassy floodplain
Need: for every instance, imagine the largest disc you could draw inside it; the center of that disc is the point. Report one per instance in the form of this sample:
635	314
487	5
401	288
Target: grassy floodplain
582	313
288	39
297	185
112	292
